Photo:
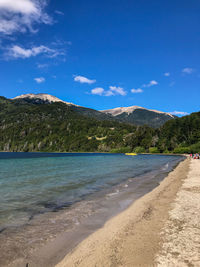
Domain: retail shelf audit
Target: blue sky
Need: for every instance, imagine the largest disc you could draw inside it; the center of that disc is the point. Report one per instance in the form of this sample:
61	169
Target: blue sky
103	54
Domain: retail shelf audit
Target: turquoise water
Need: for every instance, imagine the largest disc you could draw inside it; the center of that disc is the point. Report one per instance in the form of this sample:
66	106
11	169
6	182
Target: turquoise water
34	183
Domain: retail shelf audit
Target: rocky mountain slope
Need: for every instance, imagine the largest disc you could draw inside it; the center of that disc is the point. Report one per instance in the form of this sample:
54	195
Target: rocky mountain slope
41	98
140	116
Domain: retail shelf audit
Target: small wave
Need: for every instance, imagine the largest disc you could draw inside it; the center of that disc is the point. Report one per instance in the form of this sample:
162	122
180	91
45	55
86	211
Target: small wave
112	194
165	167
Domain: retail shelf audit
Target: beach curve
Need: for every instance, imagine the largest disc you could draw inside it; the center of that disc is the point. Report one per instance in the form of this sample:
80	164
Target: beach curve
132	238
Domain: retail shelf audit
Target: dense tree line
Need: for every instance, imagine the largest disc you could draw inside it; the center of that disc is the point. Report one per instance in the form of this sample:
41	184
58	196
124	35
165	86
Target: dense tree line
181	135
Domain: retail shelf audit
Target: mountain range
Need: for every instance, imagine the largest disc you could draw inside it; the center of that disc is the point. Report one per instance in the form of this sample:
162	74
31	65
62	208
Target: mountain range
134	114
46	123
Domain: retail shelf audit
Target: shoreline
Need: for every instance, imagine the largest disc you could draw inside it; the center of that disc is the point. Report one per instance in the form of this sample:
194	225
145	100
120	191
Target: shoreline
95	152
131	238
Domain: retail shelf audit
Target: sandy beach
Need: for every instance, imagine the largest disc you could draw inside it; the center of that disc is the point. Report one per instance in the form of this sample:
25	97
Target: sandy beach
160	229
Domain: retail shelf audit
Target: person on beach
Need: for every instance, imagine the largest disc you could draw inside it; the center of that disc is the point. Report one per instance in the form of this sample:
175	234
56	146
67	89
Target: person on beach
196	156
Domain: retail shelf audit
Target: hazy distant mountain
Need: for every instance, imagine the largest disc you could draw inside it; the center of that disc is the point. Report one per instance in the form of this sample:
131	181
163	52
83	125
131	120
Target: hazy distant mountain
140	116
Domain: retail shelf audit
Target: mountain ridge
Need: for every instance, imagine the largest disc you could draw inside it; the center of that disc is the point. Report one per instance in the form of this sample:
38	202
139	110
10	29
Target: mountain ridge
133	114
119	110
57	127
45	97
140	116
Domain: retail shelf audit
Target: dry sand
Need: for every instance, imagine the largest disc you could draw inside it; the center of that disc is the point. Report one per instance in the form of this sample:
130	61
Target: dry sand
160	229
181	232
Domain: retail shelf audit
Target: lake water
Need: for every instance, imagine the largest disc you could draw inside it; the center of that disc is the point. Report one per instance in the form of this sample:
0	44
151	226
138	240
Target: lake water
39	190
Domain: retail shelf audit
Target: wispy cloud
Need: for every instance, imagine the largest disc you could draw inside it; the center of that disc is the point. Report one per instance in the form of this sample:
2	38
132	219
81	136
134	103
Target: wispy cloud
42	65
113	90
167	74
82	79
16	51
59	12
40	80
108	93
187	70
22	15
97	91
136	91
151	83
179	113
172	84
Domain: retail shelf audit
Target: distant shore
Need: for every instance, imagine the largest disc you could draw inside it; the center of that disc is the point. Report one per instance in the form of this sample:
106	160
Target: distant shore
133	238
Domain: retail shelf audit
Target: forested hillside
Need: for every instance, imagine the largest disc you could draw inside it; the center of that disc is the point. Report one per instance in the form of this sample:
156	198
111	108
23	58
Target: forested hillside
59	127
181	135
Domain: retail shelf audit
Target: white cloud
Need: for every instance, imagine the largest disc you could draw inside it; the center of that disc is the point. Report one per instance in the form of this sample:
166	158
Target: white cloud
40	80
21	6
151	83
97	91
108	93
167	74
117	90
187	70
136	91
82	79
113	90
22	15
16	51
181	113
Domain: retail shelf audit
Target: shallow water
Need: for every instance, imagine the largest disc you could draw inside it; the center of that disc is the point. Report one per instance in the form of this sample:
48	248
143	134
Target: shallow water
42	194
42	182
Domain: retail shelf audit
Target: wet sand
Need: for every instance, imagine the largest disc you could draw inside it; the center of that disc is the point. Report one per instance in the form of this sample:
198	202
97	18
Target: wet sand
143	235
